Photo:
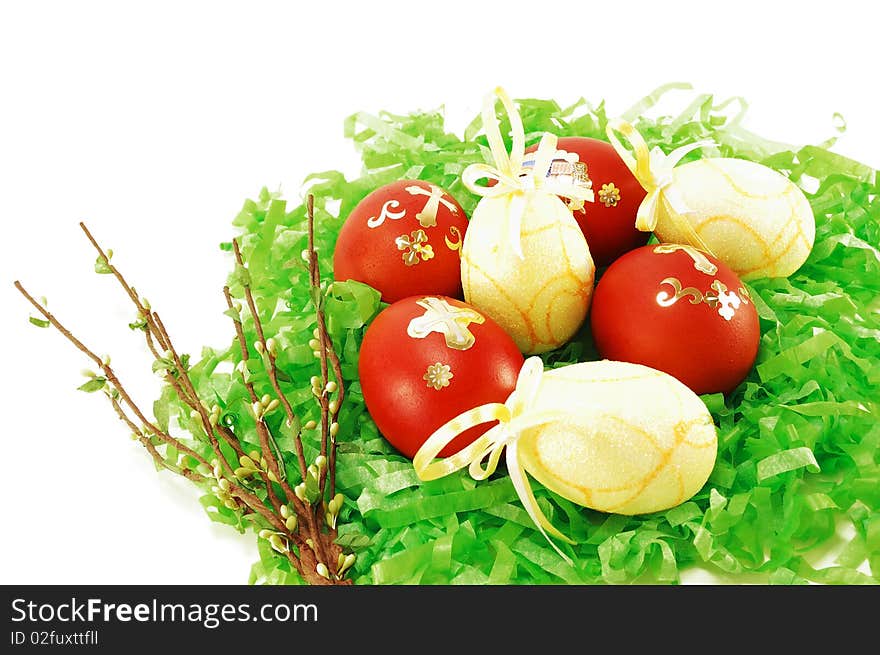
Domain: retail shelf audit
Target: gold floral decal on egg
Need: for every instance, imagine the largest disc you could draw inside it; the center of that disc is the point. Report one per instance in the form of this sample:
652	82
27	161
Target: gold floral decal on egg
456	233
701	262
438	375
428	216
718	297
452	322
727	302
414	246
609	195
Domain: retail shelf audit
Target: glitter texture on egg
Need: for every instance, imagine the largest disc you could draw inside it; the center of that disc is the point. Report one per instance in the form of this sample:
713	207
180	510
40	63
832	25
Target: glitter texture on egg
542	298
614	453
752	218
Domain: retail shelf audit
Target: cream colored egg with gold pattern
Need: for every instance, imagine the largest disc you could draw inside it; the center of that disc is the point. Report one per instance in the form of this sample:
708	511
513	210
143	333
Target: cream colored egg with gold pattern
542	298
634	440
751	217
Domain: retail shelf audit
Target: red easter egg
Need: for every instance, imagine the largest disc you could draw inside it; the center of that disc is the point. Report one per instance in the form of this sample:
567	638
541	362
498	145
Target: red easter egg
426	359
680	311
608	223
403	239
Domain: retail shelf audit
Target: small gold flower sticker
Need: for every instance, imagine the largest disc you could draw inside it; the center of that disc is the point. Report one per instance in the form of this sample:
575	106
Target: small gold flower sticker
414	246
438	375
609	195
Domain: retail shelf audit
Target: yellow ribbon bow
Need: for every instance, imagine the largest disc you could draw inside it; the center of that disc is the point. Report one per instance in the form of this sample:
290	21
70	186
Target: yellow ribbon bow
653	169
514	416
508	171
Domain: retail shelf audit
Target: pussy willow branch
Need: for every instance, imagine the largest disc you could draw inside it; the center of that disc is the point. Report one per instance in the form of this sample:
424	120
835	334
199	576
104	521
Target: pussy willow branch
313	516
157	337
138	302
327	354
185	390
273	497
155	332
146	443
110	375
271	370
304	560
303	512
199	407
246	497
327	350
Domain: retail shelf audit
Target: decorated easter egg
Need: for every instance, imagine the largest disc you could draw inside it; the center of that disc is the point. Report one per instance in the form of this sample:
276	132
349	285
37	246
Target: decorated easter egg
608	223
425	359
678	310
403	239
541	295
628	439
612	436
751	217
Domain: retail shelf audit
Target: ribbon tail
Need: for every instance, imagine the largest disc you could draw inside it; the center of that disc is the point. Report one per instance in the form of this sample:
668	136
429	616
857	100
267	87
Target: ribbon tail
515	210
423	461
647	215
679	153
494	444
677	211
524	491
493	131
638	164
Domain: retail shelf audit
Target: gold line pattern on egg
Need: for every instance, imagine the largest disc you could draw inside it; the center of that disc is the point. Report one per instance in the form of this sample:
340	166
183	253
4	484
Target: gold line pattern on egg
535	340
687	428
791	196
681	492
750	195
759	239
576	233
636	487
791	243
663	452
538	230
533	337
579	293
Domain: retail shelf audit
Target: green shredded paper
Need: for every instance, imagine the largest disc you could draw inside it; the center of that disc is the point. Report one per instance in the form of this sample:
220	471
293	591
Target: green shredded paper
795	493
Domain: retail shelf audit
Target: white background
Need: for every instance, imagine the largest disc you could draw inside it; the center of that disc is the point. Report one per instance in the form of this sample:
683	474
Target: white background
154	121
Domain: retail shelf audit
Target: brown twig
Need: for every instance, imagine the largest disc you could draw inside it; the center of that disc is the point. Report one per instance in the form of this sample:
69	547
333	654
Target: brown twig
142	310
328	354
158	337
271	370
144	440
109	375
306	516
315	281
309	553
198	406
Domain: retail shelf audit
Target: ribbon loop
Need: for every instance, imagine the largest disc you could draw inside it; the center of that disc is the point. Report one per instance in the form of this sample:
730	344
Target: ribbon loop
508	174
654	170
516	415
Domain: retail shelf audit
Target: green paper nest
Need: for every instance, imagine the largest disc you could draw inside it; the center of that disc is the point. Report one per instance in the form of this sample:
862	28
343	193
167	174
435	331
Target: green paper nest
795	494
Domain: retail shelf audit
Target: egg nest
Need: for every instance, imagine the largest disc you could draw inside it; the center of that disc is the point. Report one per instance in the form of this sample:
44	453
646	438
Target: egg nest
795	493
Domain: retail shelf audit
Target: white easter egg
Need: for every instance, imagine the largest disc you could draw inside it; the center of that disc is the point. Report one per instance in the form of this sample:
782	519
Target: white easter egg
629	440
542	298
751	217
